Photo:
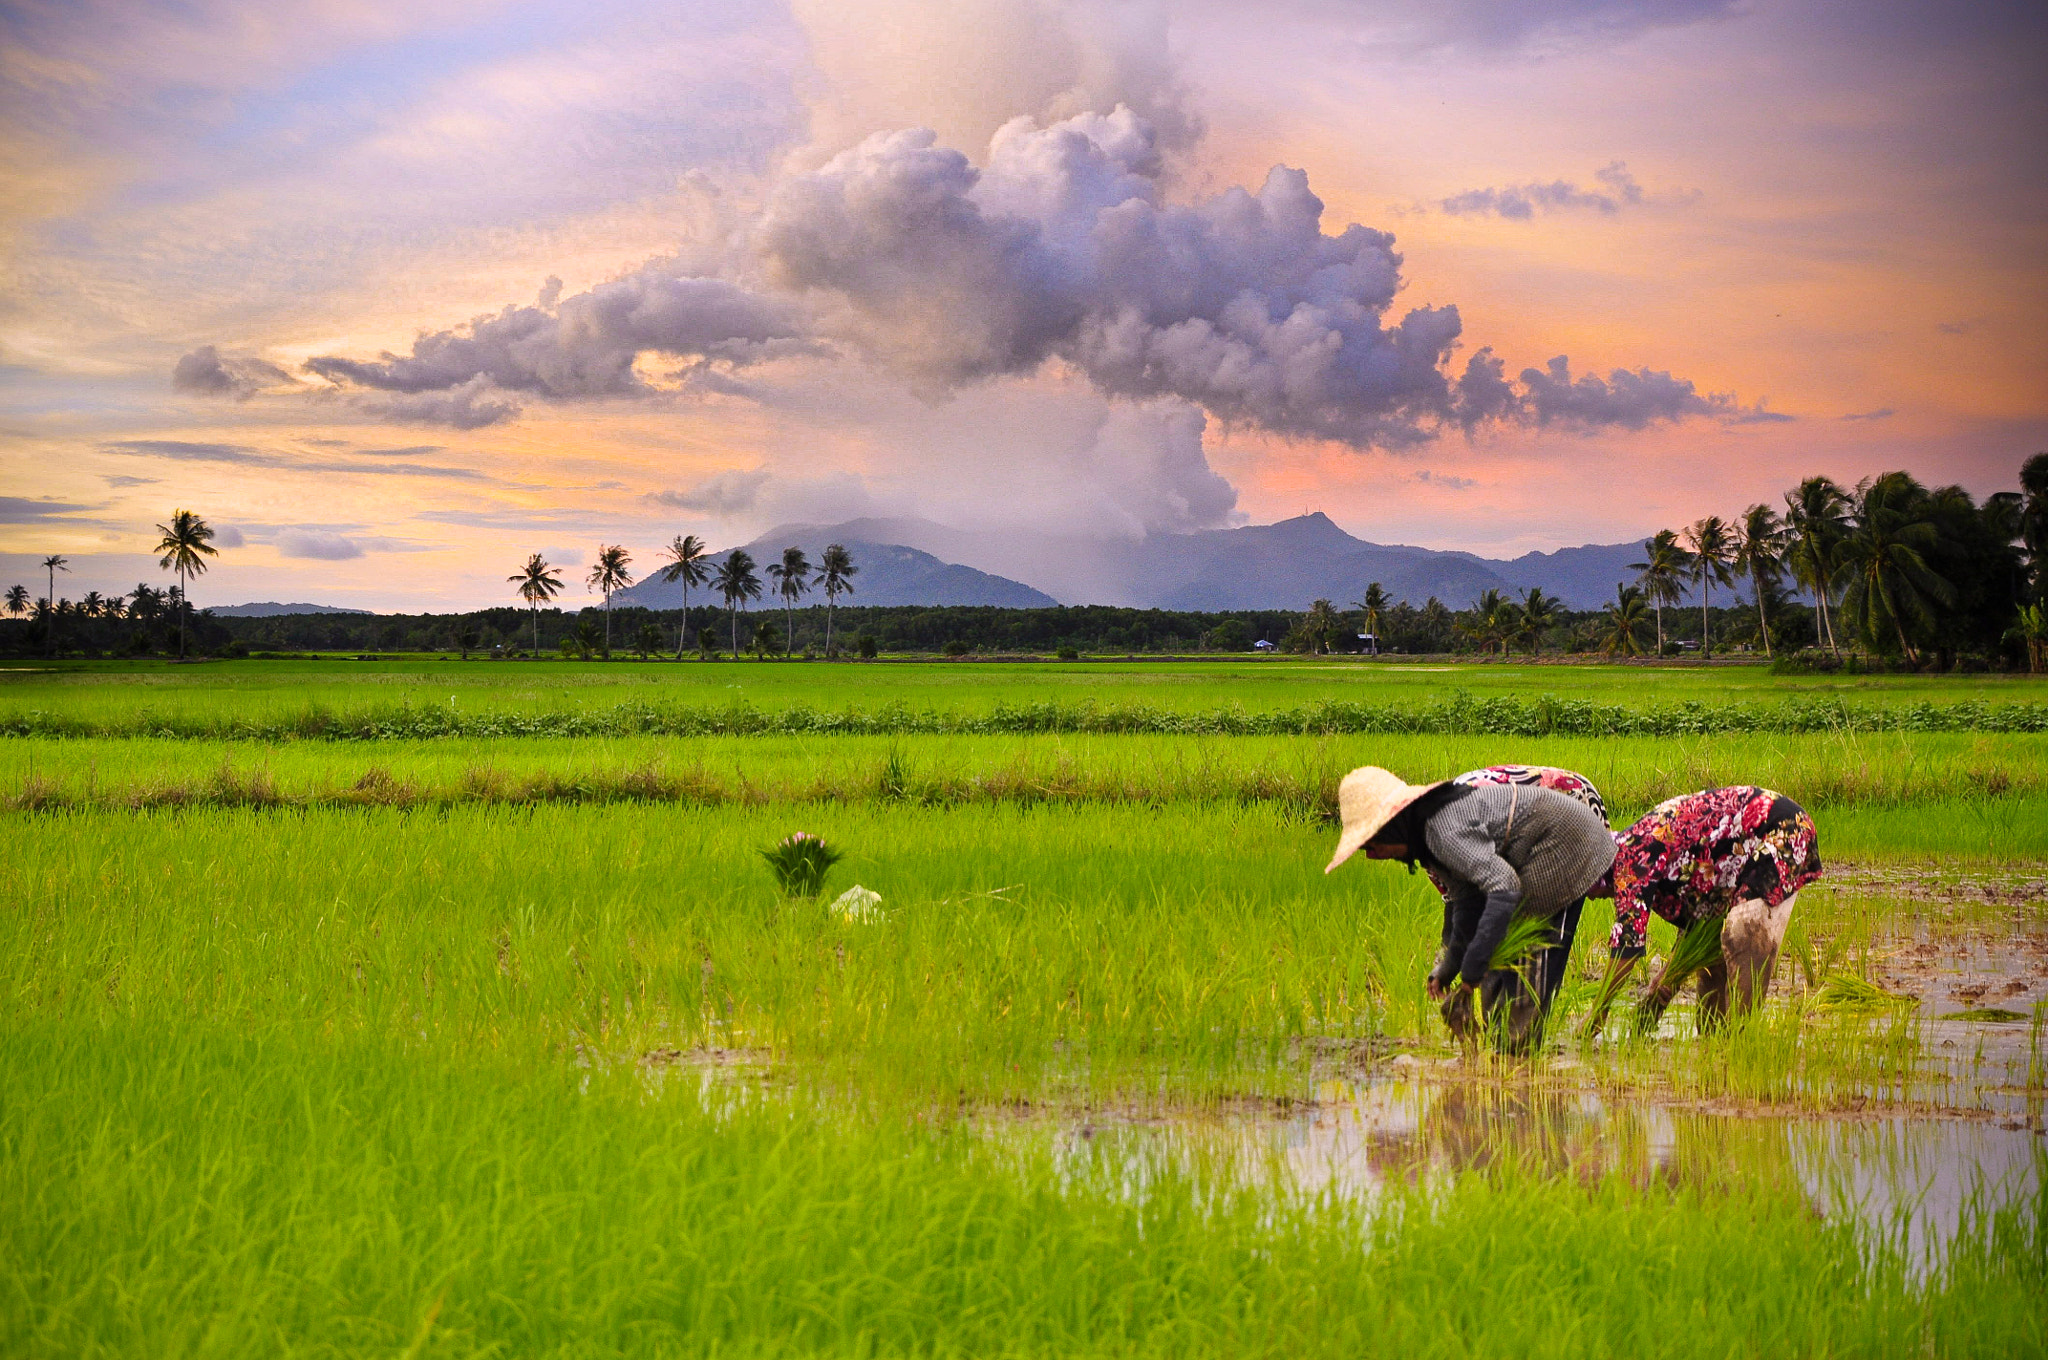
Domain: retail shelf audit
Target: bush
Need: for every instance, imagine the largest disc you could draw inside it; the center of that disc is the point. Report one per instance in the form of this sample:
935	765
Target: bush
865	645
957	647
1070	653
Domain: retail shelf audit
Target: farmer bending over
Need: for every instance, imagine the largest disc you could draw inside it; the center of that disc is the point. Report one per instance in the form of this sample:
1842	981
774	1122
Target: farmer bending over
1731	860
1501	850
1546	968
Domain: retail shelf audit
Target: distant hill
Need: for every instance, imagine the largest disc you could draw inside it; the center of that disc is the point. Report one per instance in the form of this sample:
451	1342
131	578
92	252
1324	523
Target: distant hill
890	574
1264	566
271	608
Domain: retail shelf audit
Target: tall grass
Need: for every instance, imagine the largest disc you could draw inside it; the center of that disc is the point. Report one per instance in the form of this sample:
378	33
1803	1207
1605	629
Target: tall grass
173	1188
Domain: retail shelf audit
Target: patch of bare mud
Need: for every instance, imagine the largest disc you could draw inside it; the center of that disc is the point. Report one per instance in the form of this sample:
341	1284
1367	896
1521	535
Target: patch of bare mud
2016	885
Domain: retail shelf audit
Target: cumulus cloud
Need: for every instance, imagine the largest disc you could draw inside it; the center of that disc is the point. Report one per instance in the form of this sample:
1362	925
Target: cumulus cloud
1152	471
227	536
1629	399
727	493
206	372
1061	249
1520	202
582	346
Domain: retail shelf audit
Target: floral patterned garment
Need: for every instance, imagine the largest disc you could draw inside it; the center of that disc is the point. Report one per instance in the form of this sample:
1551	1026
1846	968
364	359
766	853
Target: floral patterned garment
1568	782
1694	856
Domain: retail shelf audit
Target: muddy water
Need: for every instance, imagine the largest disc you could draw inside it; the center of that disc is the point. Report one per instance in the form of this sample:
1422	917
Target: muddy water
1911	1180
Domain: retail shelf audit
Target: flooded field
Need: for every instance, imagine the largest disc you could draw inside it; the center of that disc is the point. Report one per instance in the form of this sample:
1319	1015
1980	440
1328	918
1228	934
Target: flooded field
352	1045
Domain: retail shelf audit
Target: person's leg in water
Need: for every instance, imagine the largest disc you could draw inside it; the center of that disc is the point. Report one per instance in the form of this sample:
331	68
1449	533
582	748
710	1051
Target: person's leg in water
1751	937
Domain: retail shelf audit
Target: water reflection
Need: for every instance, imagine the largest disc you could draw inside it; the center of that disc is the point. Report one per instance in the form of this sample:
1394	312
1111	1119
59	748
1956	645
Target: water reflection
1908	1180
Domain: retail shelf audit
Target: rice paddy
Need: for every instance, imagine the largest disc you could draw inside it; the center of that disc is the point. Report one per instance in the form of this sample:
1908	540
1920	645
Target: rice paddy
515	1045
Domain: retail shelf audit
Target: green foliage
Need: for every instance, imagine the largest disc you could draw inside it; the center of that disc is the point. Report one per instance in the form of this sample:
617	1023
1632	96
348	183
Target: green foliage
800	863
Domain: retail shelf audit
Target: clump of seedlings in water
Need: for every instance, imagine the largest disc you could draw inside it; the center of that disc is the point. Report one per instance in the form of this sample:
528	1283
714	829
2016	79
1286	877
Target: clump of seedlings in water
800	863
1697	949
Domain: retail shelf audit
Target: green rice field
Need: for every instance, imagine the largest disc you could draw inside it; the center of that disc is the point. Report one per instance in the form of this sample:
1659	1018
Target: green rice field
342	1038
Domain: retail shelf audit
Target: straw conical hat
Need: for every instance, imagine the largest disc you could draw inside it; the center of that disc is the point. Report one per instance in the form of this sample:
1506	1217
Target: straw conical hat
1366	801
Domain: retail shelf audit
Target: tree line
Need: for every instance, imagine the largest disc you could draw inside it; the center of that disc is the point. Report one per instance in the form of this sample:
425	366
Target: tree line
1888	568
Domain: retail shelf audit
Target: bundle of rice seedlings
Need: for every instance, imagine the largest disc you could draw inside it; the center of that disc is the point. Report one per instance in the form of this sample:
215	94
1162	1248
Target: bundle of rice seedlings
1698	947
1849	992
800	863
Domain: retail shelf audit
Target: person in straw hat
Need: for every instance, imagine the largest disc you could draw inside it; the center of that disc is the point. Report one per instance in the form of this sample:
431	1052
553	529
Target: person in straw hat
1502	851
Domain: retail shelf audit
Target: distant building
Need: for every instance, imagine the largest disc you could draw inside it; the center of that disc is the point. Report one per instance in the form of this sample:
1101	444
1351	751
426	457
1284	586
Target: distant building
1263	646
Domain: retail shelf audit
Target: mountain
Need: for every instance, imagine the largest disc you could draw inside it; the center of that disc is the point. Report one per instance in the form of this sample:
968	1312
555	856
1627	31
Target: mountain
890	574
1262	566
271	608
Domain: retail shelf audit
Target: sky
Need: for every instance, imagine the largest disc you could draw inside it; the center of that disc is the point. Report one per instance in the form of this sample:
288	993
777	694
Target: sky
397	292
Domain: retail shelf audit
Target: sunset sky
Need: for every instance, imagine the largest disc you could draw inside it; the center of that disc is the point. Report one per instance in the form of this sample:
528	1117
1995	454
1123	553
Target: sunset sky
395	292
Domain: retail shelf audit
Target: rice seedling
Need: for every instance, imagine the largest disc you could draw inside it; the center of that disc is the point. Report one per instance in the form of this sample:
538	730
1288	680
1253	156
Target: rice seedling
800	862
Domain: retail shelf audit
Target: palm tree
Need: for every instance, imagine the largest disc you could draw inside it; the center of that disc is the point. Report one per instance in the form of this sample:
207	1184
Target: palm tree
185	546
792	577
1489	621
608	575
1533	615
17	600
535	583
1373	604
1760	555
1816	521
736	581
685	557
835	572
1885	554
1663	575
1320	625
1712	547
1624	618
2034	520
53	564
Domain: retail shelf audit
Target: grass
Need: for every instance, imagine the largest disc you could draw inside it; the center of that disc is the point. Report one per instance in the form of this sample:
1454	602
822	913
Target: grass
427	696
181	1190
402	1046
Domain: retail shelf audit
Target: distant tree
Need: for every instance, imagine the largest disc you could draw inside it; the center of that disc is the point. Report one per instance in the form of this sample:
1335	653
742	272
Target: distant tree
609	574
1491	621
1713	548
1885	556
648	640
1662	576
536	583
466	638
185	546
91	606
1816	522
2031	628
737	582
792	576
2034	520
1625	618
53	564
1759	554
17	600
1373	605
707	642
1320	627
835	572
146	602
685	558
765	640
586	639
1534	616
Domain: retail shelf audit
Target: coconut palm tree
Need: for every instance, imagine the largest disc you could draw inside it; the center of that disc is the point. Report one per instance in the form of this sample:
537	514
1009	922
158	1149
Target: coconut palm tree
535	583
685	557
2034	520
835	572
1489	621
1816	522
1374	605
736	581
1885	557
608	575
1624	619
1320	626
17	600
186	544
53	564
1536	613
792	576
1760	555
1663	571
1712	547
